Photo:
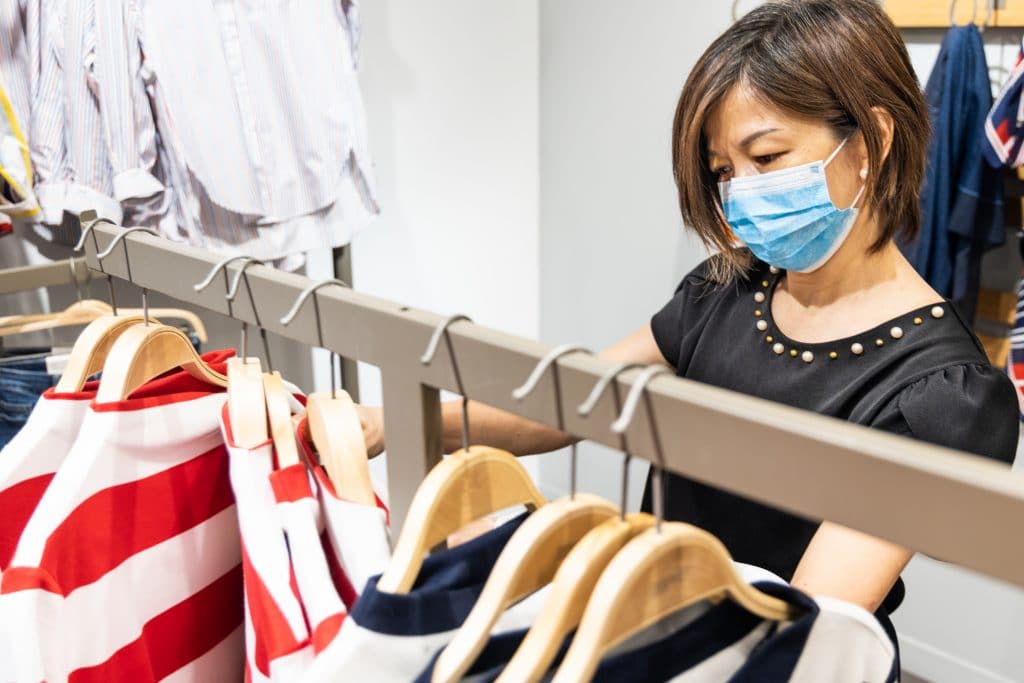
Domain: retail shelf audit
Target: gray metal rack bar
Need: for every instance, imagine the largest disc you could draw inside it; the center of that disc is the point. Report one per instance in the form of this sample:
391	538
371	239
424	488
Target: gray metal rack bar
949	505
24	278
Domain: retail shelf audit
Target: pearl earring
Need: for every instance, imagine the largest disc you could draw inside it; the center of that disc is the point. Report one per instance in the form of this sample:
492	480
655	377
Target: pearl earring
863	174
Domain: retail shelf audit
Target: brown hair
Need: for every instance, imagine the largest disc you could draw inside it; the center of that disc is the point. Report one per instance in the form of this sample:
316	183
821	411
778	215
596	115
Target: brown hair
831	60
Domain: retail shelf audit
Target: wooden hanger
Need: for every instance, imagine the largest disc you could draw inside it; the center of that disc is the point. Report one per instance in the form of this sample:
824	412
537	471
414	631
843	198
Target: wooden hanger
86	311
333	421
533	553
337	435
147	351
463	487
571	589
91	349
657	573
246	405
527	563
278	411
144	352
579	571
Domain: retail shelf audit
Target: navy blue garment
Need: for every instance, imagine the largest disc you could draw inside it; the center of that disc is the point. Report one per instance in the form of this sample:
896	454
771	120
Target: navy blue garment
22	382
962	195
773	660
444	593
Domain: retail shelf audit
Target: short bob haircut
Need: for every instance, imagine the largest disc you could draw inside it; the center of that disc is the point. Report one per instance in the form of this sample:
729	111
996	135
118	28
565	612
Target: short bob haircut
831	60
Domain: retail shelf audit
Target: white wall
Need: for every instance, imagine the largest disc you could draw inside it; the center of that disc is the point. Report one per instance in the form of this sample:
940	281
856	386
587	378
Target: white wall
612	243
451	96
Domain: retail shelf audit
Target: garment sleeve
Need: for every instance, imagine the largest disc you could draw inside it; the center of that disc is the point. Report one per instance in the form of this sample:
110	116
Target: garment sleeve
681	317
971	407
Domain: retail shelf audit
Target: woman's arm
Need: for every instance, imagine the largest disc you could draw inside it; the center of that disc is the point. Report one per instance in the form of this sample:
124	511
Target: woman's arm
505	430
852	566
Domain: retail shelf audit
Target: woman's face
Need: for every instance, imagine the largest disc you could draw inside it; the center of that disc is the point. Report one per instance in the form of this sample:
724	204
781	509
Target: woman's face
747	136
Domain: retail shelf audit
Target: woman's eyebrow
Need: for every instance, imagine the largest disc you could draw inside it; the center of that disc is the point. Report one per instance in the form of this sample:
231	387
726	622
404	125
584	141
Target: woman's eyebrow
747	141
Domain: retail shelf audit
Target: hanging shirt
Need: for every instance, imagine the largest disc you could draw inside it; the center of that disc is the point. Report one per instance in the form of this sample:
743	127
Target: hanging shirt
135	545
831	641
276	634
391	637
501	647
1004	126
287	168
29	461
336	545
962	195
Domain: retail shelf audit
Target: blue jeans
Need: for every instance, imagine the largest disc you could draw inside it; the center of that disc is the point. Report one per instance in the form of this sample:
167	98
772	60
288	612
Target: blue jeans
21	384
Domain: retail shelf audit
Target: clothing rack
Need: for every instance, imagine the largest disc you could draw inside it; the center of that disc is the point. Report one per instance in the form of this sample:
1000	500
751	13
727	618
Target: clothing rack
952	506
24	278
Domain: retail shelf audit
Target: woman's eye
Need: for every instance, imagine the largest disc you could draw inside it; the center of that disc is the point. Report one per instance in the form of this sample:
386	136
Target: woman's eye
766	159
722	174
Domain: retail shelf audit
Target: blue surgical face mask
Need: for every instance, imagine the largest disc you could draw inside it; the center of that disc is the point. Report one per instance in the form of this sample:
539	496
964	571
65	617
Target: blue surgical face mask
787	217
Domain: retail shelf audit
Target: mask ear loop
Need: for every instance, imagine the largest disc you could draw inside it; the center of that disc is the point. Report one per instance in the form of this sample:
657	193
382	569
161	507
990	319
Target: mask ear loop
863	172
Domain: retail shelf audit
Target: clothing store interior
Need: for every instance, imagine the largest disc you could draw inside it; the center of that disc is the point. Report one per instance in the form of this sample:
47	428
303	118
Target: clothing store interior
546	340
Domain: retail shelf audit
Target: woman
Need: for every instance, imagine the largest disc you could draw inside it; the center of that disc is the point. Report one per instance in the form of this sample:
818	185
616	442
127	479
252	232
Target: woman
798	150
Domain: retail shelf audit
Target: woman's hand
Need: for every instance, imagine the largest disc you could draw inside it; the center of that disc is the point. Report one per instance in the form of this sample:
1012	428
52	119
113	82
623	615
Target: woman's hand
372	419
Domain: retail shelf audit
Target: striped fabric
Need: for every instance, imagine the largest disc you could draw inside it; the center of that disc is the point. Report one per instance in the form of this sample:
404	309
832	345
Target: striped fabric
29	461
130	566
335	544
1015	363
355	536
276	635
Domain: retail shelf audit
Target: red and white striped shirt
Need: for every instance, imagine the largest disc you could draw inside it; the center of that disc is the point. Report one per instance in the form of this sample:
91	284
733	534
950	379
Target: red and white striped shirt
276	634
130	567
335	544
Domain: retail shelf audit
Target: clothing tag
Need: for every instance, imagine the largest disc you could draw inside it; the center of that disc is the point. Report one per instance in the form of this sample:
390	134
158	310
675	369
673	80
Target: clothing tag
56	364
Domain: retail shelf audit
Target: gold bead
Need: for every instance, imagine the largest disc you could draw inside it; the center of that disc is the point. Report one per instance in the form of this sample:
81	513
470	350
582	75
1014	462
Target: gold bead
769	339
833	355
793	353
918	321
758	313
879	342
764	283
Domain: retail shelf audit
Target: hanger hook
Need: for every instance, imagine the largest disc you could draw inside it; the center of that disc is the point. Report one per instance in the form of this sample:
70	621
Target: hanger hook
88	220
221	266
297	306
550	360
428	357
735	10
208	280
989	4
588	406
120	239
952	12
233	292
636	392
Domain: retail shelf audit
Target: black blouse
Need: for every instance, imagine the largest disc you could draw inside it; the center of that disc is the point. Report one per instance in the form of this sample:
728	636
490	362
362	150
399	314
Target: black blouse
922	374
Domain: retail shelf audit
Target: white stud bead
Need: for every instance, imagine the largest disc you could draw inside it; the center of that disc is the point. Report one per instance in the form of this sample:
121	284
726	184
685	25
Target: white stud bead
778	348
774	270
762	325
807	356
759	297
896	332
938	312
856	348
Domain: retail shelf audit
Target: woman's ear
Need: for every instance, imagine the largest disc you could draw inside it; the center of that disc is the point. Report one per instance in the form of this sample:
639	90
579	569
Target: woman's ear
884	121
